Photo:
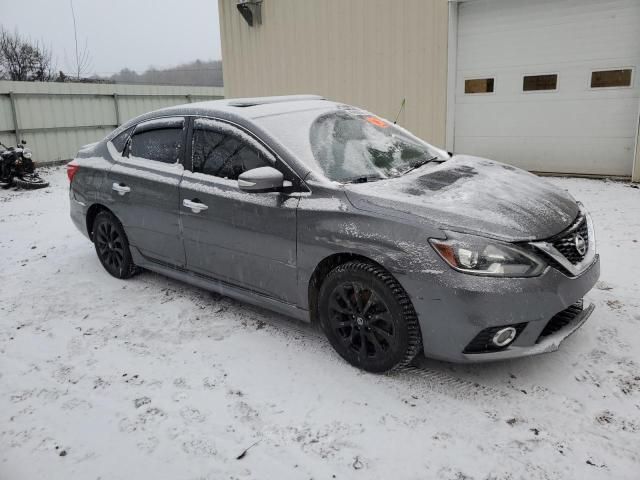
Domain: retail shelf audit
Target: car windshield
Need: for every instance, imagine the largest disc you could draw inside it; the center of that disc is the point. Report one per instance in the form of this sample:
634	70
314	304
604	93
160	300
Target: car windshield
356	146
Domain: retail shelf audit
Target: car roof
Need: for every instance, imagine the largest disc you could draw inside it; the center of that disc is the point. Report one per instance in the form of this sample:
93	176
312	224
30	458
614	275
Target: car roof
251	107
239	110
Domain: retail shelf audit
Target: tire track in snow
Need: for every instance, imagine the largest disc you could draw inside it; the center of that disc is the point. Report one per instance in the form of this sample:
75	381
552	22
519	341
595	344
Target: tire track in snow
413	379
445	383
436	380
578	430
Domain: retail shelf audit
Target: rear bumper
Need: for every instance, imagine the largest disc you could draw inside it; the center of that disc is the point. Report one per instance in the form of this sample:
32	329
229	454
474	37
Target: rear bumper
453	308
78	213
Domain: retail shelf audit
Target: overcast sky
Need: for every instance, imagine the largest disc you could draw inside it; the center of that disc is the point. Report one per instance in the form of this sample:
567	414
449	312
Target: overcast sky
120	33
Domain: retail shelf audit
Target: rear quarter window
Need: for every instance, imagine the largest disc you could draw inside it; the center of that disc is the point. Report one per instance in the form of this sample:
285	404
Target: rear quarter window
120	140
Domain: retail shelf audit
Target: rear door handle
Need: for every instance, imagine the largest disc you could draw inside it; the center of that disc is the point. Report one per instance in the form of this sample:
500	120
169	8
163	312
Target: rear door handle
194	205
121	188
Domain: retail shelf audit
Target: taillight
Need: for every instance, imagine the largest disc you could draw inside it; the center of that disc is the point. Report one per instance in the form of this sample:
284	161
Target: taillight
72	169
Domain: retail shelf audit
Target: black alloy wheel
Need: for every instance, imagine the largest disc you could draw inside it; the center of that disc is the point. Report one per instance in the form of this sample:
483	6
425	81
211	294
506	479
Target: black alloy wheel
112	246
361	319
368	317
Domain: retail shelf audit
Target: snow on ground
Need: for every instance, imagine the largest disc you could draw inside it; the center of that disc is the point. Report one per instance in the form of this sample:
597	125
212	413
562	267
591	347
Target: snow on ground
153	379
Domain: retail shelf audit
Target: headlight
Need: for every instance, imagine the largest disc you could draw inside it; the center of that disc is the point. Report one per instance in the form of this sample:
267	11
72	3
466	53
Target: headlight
482	256
26	153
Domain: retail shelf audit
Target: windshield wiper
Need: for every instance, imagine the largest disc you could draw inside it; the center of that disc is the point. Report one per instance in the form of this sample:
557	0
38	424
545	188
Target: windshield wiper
420	164
362	179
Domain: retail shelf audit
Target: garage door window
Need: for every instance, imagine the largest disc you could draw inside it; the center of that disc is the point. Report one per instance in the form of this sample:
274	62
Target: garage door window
611	78
535	83
478	85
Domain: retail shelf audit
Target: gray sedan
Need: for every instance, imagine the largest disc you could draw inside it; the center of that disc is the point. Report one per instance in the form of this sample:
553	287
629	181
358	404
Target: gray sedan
330	214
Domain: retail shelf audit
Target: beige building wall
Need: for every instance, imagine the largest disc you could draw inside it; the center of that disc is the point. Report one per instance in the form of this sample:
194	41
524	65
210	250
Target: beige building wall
370	53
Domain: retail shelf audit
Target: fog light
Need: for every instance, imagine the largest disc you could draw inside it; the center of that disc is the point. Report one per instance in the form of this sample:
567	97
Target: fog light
504	337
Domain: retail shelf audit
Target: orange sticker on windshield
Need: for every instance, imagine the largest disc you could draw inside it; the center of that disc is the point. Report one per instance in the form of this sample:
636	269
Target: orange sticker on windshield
377	122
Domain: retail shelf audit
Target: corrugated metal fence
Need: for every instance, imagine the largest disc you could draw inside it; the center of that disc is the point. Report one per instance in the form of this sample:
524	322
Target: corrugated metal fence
56	119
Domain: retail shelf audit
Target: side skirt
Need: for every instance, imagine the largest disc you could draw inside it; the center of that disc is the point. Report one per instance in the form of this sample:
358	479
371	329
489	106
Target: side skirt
218	286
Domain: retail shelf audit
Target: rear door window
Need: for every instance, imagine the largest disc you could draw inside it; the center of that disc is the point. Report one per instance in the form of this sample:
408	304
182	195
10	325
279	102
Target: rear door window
158	140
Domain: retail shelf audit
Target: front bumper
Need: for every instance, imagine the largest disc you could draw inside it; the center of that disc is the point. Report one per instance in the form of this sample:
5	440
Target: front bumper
453	308
547	344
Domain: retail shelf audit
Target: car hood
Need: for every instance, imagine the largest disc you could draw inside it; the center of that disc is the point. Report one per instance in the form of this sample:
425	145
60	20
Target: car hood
473	195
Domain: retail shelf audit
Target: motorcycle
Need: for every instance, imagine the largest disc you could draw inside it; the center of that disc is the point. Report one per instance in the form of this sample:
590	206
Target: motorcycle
17	168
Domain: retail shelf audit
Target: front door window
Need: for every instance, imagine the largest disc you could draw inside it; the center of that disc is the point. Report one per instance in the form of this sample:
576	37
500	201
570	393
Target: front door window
223	155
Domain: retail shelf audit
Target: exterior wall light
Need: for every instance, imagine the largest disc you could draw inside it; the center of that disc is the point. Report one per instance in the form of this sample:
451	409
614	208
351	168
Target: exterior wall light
251	11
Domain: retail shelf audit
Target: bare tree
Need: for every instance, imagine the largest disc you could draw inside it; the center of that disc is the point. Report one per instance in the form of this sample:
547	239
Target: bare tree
22	59
82	57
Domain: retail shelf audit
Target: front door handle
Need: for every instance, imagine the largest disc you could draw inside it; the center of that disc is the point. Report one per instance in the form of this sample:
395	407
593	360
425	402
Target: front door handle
194	205
121	188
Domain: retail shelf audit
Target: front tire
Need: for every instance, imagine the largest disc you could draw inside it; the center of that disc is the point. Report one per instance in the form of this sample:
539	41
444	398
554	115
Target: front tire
368	317
112	246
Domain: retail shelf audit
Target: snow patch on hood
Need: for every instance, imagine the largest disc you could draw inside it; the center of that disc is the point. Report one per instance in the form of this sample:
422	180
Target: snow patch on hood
473	195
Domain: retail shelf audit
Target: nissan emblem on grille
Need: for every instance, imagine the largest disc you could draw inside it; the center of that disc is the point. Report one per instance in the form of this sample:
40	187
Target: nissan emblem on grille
570	246
581	245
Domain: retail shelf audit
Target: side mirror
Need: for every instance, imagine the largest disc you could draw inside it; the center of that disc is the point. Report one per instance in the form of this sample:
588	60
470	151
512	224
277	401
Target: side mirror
23	142
262	179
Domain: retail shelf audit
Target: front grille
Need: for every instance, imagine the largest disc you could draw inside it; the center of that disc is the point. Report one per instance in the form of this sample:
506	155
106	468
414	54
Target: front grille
561	320
566	243
482	342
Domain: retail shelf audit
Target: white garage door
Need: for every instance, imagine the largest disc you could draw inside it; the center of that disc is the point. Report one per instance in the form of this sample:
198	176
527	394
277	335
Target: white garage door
549	85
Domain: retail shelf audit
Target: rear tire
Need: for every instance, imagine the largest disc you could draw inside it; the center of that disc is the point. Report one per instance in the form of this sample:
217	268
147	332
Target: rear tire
112	246
368	317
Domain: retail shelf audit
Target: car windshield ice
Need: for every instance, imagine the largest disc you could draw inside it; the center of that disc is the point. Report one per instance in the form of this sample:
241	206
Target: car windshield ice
348	144
356	146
